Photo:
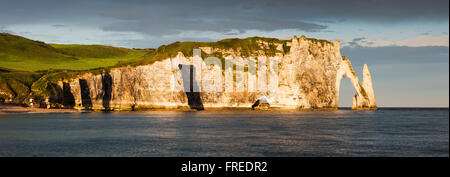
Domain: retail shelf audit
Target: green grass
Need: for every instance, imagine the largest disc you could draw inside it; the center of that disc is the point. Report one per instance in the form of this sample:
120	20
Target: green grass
16	84
247	47
91	51
19	53
33	67
14	47
78	64
28	66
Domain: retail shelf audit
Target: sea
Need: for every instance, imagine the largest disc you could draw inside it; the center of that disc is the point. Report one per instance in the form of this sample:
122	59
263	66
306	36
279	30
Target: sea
386	132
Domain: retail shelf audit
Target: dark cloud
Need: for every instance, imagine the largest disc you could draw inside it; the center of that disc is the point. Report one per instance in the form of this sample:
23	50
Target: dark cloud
164	25
305	15
356	42
393	10
159	17
322	10
58	26
126	15
327	21
359	39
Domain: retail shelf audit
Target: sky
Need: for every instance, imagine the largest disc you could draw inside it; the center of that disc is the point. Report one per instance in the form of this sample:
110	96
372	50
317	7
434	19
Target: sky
405	43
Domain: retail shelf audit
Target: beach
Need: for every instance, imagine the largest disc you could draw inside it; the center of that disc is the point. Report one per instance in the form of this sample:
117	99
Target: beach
10	108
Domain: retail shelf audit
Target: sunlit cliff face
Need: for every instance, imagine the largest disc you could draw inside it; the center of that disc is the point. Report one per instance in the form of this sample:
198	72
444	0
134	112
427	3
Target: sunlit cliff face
304	74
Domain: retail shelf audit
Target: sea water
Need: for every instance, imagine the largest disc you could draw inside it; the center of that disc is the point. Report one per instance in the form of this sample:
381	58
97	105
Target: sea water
385	132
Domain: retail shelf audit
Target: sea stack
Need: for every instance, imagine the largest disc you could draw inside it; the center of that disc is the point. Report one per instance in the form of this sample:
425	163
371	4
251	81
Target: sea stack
367	84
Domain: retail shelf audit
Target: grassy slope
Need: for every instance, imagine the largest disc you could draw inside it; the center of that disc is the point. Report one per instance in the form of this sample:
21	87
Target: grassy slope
23	62
19	53
16	84
32	66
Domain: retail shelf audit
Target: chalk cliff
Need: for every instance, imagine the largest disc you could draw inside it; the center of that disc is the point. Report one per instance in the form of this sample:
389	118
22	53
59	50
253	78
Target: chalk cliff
302	73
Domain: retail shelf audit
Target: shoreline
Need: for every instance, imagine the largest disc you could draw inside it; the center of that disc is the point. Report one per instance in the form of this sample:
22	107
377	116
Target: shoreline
6	108
14	108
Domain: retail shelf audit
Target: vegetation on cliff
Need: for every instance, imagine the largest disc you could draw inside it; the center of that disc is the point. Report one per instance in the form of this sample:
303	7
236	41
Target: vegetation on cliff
19	53
243	47
16	85
29	67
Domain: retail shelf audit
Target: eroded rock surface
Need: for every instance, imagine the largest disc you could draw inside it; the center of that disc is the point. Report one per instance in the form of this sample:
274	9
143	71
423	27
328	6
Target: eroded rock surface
306	76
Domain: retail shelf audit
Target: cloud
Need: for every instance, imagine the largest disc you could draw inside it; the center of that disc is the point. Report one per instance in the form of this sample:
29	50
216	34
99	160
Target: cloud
164	17
360	55
232	18
158	25
159	16
4	30
359	39
417	41
424	40
356	42
126	15
322	10
58	25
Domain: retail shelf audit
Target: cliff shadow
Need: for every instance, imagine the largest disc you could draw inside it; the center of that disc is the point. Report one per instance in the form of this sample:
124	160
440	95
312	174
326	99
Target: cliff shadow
107	89
189	83
56	98
68	99
86	100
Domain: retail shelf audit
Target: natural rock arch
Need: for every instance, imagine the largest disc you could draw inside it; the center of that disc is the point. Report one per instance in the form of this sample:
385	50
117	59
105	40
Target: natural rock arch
364	95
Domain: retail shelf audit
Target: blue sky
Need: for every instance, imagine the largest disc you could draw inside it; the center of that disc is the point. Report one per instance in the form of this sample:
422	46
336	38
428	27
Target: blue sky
404	42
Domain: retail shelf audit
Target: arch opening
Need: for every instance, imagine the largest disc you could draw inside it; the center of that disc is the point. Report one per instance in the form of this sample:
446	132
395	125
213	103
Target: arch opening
346	93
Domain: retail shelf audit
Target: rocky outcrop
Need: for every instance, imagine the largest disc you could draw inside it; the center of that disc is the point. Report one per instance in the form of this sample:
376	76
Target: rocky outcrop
367	85
307	75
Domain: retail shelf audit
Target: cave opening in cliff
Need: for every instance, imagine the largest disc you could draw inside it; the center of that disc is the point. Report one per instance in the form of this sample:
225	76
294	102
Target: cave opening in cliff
68	98
86	100
190	85
346	93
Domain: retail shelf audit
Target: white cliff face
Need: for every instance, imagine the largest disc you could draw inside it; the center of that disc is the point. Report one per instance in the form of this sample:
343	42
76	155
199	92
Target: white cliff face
308	73
308	76
367	84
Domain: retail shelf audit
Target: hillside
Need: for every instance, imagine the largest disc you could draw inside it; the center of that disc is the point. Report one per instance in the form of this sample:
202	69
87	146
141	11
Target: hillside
16	48
16	85
19	53
23	62
91	51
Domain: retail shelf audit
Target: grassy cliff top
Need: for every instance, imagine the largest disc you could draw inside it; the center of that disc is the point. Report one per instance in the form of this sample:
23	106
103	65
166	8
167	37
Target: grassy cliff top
34	67
243	47
19	53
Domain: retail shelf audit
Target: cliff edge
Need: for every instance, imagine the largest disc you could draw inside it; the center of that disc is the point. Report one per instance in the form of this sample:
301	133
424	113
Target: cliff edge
301	73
